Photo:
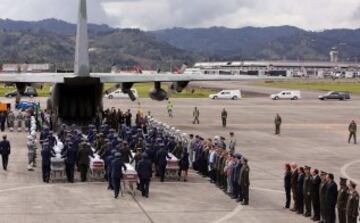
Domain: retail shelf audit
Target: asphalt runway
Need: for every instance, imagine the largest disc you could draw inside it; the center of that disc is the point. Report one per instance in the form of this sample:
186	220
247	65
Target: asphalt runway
314	133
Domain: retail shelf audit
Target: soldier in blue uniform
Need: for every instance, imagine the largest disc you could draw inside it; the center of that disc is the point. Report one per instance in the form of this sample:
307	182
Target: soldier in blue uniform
144	170
116	173
70	161
46	154
161	158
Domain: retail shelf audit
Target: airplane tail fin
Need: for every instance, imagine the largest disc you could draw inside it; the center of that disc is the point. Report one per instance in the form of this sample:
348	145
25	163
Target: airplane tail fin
82	66
183	69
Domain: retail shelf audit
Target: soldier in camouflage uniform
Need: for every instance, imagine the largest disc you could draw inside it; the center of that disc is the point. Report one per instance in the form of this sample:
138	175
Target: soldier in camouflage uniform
244	181
352	131
352	205
278	122
342	200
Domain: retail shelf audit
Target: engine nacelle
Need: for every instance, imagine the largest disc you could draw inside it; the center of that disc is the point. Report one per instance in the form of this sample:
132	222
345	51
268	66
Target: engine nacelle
20	87
179	86
158	94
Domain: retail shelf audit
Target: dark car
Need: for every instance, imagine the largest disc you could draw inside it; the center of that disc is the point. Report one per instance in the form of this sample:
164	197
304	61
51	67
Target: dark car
336	95
29	92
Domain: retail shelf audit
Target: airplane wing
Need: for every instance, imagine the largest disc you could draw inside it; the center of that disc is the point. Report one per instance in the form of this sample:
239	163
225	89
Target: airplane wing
155	77
34	77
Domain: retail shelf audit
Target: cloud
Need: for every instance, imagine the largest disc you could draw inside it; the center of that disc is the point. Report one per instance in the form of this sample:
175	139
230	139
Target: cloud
42	9
158	14
308	14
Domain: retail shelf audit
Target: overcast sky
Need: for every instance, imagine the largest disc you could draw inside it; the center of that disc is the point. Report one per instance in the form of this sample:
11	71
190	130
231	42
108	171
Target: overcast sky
158	14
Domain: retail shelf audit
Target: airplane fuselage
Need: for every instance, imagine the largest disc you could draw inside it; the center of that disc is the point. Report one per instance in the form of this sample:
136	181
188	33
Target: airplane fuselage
77	100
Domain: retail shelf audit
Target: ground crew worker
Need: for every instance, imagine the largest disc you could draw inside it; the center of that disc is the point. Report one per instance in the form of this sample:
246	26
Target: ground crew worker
352	206
5	150
170	108
224	115
244	181
196	115
278	122
352	131
342	200
116	173
307	191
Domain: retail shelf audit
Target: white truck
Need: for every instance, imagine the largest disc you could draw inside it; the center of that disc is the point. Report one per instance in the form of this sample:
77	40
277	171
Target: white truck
292	95
227	94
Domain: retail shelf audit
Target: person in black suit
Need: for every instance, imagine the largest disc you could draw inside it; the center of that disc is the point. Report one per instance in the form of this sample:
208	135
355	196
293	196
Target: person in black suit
287	185
300	195
294	176
144	170
2	121
315	195
161	158
116	173
5	150
331	198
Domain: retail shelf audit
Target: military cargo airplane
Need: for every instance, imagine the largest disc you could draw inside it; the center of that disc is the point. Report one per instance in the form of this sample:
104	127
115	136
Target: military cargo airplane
77	97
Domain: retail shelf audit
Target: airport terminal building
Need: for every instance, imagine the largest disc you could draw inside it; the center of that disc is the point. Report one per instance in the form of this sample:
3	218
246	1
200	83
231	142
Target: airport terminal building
279	68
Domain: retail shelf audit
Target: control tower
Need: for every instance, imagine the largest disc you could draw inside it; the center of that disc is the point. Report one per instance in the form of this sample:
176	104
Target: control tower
334	55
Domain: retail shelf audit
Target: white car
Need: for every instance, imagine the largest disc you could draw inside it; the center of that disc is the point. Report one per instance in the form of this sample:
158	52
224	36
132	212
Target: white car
118	94
227	94
292	95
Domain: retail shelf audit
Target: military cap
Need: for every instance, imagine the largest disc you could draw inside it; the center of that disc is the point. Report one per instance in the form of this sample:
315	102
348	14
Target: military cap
343	179
323	173
307	167
117	154
238	155
353	184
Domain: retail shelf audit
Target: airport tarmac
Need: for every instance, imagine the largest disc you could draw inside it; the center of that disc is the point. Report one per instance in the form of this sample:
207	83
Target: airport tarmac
314	133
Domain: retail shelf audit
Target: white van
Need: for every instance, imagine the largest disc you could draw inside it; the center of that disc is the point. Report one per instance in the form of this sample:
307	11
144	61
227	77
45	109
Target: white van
118	94
292	95
227	94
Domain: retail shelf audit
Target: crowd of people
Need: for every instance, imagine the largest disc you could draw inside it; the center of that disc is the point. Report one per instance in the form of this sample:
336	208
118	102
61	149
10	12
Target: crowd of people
117	142
315	194
228	170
